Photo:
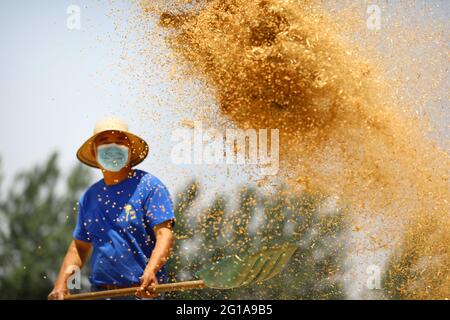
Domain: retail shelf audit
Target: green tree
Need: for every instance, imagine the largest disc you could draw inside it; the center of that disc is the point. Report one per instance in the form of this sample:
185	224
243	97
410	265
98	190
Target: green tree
38	214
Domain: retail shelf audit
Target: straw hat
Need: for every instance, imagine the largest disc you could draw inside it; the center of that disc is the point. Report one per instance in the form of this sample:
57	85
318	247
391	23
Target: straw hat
139	148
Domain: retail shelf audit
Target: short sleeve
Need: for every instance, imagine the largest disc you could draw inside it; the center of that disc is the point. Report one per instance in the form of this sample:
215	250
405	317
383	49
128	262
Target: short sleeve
159	206
80	232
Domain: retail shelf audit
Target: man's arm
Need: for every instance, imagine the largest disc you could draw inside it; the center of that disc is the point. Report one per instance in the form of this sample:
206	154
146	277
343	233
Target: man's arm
161	253
76	255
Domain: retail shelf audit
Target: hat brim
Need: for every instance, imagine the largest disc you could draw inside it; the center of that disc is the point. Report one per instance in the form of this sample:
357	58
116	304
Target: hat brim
139	149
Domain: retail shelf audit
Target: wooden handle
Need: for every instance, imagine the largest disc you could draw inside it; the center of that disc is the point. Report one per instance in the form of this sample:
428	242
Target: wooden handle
177	286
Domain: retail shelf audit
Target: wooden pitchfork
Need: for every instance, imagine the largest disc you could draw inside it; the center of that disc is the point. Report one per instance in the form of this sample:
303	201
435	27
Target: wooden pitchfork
230	272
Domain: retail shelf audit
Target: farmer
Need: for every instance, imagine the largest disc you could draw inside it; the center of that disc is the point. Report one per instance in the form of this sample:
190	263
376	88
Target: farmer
125	219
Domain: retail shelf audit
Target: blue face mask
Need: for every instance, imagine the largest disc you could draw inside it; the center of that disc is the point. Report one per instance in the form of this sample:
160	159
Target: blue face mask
112	157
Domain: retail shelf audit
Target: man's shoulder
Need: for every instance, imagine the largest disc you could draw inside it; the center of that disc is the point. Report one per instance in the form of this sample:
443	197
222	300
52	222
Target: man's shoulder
92	190
150	181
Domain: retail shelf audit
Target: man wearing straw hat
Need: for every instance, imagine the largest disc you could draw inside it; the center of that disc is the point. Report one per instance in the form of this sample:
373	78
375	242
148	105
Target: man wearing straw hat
125	219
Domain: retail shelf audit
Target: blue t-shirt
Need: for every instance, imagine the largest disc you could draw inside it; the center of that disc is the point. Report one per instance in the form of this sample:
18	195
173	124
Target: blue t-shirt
118	220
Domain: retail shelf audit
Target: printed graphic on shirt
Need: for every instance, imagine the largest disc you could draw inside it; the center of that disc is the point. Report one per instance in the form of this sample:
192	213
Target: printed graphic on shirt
130	213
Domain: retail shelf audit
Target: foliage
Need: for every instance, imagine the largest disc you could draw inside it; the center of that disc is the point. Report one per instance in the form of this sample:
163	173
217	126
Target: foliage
38	214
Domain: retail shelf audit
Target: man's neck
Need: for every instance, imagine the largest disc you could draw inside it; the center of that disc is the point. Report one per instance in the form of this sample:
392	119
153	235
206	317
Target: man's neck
112	178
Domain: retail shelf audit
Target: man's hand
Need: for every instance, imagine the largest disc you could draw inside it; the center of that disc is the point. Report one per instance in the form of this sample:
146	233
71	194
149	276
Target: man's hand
58	294
148	280
160	254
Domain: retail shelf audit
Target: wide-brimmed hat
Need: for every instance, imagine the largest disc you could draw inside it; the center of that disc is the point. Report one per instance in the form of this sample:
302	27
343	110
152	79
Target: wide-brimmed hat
138	147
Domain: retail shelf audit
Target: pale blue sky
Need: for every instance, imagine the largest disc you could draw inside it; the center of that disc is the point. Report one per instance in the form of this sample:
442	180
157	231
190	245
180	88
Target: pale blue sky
55	83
